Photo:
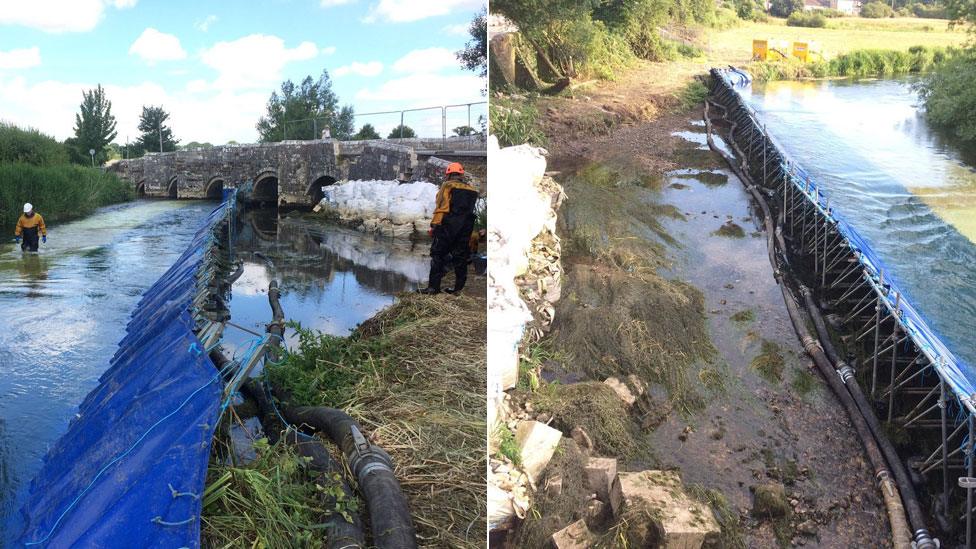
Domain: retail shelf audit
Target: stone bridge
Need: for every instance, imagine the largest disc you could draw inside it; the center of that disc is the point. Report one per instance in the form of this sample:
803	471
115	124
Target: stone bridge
294	172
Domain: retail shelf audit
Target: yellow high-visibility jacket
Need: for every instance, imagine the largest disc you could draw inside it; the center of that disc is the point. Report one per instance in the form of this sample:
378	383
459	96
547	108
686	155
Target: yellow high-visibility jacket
443	200
29	223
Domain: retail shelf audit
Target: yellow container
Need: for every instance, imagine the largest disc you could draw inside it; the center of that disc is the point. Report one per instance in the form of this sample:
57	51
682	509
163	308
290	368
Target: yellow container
806	51
769	50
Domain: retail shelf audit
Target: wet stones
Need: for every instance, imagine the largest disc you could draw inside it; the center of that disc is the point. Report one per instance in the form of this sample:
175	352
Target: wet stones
769	501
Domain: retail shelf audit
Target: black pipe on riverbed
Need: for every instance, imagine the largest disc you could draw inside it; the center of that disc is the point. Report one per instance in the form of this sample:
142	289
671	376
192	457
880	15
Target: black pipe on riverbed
893	492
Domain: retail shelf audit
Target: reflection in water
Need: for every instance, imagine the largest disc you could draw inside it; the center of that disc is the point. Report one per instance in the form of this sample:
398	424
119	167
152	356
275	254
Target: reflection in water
331	278
907	190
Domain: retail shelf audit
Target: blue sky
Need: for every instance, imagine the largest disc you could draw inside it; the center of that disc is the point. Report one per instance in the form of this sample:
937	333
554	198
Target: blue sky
214	64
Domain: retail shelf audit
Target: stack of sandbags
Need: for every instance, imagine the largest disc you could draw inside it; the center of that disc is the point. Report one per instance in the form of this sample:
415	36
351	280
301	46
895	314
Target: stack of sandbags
524	252
390	208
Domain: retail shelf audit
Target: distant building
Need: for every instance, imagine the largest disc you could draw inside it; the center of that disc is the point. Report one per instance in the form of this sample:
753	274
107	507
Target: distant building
848	7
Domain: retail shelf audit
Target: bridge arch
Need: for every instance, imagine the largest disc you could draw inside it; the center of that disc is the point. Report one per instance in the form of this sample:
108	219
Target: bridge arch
172	189
141	188
265	187
314	190
214	187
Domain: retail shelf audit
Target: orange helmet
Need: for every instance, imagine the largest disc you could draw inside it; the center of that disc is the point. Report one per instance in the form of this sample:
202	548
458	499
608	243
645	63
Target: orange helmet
454	167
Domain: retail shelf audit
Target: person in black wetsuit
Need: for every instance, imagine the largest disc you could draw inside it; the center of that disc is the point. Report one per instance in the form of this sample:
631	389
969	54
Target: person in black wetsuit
30	226
451	228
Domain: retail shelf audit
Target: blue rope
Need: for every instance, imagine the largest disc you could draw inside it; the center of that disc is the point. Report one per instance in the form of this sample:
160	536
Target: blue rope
161	522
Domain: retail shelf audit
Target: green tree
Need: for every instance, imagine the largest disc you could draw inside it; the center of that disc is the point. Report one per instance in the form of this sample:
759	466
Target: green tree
474	56
302	111
366	132
783	8
464	131
196	145
152	124
401	131
94	127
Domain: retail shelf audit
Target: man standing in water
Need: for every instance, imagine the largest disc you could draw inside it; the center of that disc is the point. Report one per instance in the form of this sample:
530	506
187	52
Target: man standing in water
30	226
451	228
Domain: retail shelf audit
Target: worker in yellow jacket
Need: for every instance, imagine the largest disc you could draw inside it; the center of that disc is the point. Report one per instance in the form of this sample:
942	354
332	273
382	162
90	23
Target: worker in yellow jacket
29	227
451	228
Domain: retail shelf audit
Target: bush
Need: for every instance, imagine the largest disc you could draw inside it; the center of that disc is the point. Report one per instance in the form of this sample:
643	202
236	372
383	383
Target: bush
831	13
515	124
806	19
783	8
950	97
876	10
30	147
929	11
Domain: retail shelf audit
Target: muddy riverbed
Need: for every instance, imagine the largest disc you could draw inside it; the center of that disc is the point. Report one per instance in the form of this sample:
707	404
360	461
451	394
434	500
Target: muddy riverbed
663	258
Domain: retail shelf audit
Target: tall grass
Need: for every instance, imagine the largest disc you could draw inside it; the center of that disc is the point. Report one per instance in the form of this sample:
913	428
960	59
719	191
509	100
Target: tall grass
58	192
862	63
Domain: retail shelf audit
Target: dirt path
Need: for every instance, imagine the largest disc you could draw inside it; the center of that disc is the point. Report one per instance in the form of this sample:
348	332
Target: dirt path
754	412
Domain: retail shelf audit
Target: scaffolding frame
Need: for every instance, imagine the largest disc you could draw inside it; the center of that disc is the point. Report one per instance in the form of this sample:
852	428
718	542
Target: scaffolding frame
911	384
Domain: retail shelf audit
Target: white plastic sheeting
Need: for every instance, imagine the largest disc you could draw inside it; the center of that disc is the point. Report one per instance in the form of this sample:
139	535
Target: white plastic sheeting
387	207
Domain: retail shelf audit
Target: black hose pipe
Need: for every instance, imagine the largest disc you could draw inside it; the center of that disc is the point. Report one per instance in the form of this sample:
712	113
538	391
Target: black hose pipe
389	513
902	478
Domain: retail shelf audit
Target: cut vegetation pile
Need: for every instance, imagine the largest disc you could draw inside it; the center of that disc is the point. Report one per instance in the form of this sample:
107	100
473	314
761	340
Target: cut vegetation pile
414	377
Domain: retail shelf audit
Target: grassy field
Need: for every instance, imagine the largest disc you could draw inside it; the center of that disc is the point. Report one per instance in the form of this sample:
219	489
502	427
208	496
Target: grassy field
842	35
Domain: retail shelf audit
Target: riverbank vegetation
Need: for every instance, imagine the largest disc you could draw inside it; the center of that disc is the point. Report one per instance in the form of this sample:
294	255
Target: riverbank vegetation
949	93
414	377
35	168
856	64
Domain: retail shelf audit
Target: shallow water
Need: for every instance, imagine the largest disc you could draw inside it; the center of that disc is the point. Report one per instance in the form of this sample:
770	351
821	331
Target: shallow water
66	308
910	192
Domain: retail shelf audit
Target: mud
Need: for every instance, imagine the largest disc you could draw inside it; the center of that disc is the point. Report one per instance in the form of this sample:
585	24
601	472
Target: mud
713	303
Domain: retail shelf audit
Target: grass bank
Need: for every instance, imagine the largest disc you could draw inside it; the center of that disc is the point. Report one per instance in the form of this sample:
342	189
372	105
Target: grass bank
857	64
842	35
414	376
59	192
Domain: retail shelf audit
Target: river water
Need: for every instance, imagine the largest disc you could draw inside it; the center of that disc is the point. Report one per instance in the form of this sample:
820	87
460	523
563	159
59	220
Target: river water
905	188
65	309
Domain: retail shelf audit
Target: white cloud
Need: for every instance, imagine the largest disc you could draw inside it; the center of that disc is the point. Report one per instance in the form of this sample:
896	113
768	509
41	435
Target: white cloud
24	58
426	60
334	3
404	11
197	115
254	61
57	16
328	50
460	29
153	46
371	68
203	25
425	90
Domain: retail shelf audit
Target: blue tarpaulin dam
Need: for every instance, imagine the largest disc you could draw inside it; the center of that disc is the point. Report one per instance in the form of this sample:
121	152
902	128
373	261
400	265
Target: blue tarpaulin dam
133	462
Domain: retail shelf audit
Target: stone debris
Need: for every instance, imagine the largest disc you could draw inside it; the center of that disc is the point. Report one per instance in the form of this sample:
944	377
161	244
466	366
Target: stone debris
508	494
600	475
582	439
674	520
536	442
574	536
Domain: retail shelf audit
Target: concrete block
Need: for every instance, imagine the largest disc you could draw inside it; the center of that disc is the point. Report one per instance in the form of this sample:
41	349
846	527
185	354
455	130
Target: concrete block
574	536
600	474
674	519
537	442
